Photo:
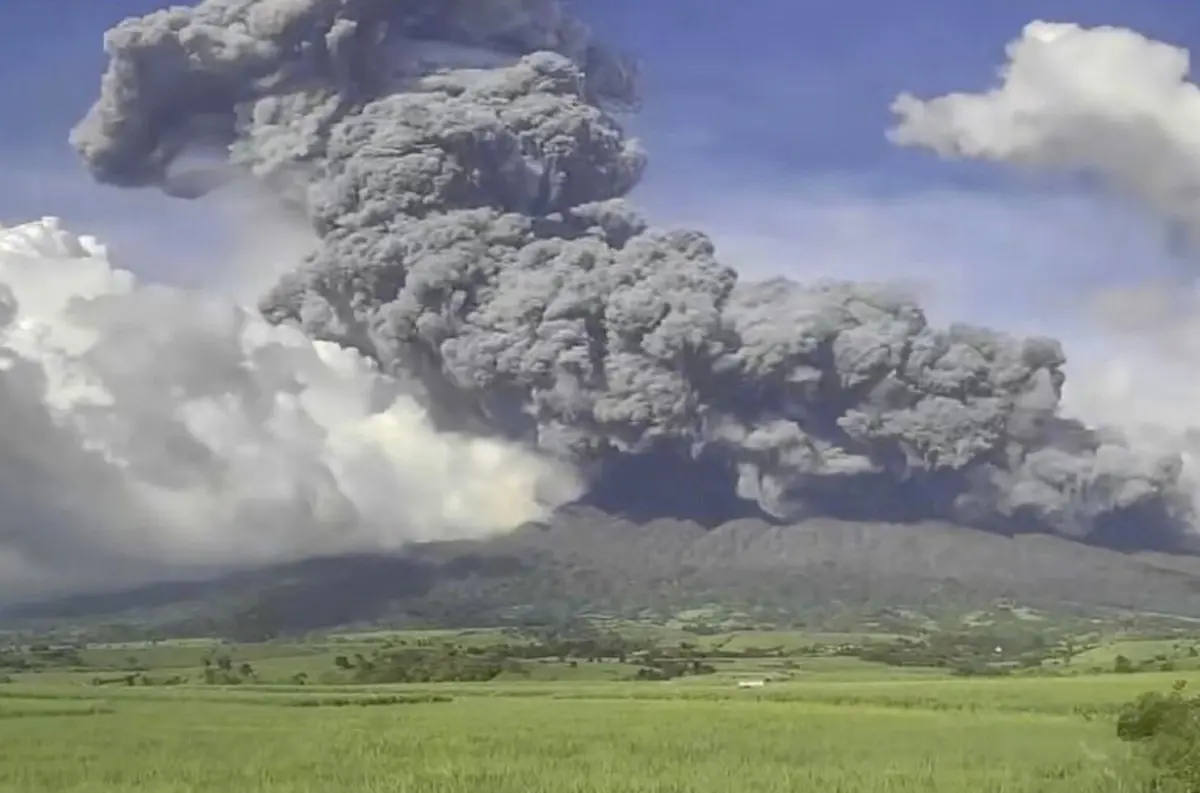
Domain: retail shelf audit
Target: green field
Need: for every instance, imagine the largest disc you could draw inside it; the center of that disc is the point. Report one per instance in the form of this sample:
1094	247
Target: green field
823	724
531	737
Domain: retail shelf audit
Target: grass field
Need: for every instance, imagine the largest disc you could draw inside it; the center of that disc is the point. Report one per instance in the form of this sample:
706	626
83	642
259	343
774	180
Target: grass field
533	738
827	723
1001	735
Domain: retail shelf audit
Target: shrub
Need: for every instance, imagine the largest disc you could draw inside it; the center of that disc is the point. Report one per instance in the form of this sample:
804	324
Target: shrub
1166	728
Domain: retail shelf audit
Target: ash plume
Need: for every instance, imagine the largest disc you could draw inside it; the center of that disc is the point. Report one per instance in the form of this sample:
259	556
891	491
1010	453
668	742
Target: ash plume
463	166
1114	107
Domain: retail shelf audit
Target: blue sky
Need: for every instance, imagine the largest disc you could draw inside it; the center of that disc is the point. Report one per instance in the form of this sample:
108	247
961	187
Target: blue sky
765	127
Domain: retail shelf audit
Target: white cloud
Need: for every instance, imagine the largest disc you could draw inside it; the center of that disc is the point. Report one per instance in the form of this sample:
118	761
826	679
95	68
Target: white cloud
1104	102
151	430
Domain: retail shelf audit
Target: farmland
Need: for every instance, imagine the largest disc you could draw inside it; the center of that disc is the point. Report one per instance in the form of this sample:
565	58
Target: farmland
301	715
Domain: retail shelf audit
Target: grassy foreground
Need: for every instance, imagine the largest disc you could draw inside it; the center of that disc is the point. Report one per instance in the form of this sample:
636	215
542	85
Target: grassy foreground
1003	735
992	708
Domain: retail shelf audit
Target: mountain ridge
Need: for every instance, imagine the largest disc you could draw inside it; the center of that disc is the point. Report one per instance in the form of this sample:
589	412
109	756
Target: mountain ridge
586	560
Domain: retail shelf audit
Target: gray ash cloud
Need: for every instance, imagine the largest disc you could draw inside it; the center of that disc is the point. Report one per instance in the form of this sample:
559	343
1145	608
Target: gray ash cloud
465	170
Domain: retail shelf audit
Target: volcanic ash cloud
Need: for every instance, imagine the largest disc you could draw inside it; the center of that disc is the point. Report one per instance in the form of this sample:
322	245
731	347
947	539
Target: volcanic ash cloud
465	172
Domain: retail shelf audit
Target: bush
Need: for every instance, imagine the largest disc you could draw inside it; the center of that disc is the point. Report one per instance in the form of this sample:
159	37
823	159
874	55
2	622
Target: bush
1166	728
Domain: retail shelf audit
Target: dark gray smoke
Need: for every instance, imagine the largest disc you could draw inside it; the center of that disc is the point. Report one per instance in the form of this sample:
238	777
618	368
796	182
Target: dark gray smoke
463	166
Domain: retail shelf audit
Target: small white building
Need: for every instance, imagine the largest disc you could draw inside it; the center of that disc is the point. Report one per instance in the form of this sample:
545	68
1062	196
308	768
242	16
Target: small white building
751	683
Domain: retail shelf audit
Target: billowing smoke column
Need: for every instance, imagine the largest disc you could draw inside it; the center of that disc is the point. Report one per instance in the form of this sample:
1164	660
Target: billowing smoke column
464	170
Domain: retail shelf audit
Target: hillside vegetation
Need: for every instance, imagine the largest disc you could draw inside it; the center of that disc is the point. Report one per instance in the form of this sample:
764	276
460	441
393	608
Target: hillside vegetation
820	574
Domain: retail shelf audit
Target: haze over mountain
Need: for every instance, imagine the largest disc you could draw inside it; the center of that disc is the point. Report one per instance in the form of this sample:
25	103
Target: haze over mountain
464	326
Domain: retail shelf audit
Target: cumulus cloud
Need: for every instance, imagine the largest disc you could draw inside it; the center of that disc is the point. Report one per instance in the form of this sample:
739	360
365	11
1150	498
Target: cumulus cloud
155	431
1105	102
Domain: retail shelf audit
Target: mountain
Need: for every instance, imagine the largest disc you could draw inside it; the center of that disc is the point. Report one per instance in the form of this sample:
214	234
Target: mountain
586	560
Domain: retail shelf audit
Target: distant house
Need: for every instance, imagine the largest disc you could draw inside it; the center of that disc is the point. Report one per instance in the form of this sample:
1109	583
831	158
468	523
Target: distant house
751	683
